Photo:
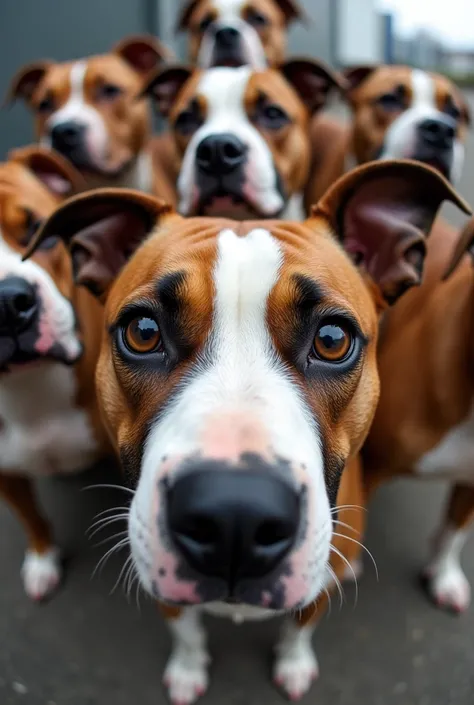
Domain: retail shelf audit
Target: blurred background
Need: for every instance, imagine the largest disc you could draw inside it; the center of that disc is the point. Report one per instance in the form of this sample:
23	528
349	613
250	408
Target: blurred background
431	34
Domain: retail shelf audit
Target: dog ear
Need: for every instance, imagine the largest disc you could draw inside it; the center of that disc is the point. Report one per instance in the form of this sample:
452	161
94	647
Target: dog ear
382	213
185	15
26	80
102	229
313	81
291	9
465	245
56	173
143	52
164	86
356	75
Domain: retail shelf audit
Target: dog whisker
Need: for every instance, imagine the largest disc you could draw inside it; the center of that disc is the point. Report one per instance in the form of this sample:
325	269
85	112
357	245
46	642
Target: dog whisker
337	582
121	544
108	487
347	562
101	524
346	526
349	538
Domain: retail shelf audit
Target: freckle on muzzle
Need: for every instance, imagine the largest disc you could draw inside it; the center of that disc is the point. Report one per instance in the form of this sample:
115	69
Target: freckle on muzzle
234	525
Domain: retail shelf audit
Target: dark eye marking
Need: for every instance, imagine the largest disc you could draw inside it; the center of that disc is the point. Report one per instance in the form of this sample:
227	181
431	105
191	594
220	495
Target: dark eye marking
47	104
269	115
168	290
451	108
393	101
190	120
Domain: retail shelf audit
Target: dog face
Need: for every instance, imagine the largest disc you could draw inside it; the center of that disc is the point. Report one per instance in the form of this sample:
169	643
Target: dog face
238	372
87	110
36	316
241	136
401	112
238	32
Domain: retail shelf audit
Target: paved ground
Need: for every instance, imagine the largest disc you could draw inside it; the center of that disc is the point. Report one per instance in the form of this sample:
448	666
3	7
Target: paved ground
87	647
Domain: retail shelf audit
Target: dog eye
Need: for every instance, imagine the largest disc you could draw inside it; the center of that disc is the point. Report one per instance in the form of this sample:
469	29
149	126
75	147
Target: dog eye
142	335
31	225
256	18
188	122
272	117
206	23
46	105
333	342
108	91
391	102
452	109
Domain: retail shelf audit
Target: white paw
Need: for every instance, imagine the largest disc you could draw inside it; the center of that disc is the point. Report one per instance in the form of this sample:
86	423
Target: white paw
295	670
355	572
186	676
449	587
41	573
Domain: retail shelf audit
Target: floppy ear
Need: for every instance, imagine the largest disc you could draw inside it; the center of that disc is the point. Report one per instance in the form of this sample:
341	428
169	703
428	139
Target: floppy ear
356	75
26	80
143	52
313	81
102	229
164	86
291	9
57	173
464	245
382	213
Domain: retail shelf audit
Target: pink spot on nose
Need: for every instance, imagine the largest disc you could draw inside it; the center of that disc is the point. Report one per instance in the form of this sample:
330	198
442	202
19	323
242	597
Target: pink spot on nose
228	436
46	337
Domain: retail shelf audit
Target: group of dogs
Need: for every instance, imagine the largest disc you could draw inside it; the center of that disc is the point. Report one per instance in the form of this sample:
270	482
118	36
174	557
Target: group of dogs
218	305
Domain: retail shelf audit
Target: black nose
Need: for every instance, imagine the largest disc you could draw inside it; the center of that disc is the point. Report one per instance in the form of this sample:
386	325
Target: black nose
18	305
227	37
220	154
233	524
437	133
67	136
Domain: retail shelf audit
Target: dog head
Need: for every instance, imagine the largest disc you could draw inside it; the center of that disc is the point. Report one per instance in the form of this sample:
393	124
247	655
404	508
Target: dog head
238	32
238	372
241	136
400	112
37	319
87	110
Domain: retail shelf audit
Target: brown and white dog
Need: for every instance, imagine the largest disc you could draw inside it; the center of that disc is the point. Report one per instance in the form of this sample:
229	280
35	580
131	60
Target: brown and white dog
240	142
49	343
405	113
238	32
238	380
88	111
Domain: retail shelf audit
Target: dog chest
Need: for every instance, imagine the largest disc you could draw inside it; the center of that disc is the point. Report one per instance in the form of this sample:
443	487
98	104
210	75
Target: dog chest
42	431
453	457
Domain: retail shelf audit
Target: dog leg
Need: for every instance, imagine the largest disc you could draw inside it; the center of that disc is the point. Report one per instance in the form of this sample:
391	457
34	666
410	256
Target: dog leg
186	676
41	571
444	577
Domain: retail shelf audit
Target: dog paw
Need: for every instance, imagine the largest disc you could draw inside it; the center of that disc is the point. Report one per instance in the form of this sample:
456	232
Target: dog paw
295	671
41	574
186	676
449	588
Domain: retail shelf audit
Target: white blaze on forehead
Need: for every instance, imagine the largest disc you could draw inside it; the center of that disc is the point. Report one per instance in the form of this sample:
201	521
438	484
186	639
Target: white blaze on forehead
228	8
423	88
76	102
224	91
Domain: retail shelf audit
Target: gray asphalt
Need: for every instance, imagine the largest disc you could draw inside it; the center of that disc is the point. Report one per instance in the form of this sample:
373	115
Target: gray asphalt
89	647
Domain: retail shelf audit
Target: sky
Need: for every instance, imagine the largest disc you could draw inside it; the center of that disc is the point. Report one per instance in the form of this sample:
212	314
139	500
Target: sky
451	20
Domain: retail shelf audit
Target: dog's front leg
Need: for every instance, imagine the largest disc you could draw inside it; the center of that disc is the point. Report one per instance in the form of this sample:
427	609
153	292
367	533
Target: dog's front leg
186	673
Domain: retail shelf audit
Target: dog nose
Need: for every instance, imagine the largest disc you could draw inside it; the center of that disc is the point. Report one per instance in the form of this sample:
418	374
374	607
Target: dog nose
227	37
233	524
220	154
437	133
18	305
67	135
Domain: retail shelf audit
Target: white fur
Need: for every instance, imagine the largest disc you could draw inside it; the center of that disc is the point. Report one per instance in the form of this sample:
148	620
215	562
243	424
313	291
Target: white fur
446	580
41	573
296	666
241	374
401	135
229	15
224	90
186	671
453	457
77	109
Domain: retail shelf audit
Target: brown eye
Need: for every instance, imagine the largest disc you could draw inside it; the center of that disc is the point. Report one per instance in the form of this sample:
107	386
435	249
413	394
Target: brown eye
142	335
332	343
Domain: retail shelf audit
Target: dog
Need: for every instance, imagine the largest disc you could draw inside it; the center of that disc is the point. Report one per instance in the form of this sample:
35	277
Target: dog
87	110
240	142
236	33
238	380
49	338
